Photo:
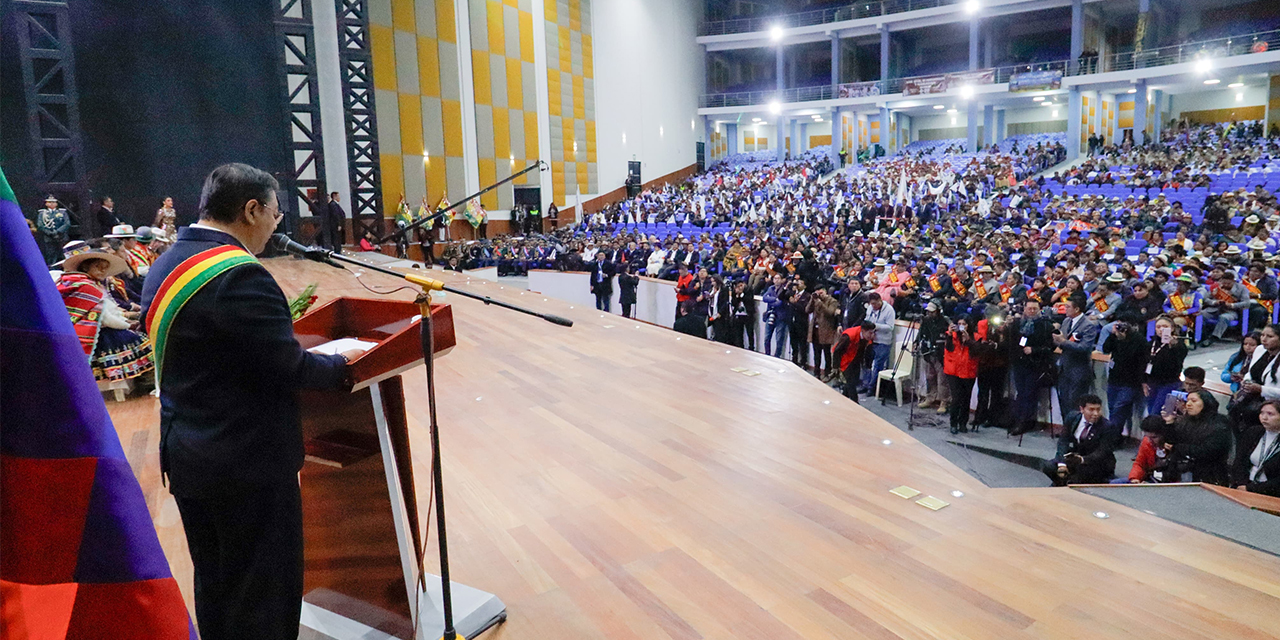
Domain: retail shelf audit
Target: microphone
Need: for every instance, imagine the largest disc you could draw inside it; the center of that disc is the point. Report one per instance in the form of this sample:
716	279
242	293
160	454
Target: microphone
281	242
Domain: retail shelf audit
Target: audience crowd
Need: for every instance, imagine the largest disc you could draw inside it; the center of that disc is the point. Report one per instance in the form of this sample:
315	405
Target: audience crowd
1007	275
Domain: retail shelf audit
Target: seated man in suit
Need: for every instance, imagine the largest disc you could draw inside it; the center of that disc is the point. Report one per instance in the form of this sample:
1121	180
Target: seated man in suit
1086	449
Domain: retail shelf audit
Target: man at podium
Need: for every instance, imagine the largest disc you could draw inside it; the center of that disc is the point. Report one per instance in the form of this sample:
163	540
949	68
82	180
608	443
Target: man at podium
229	369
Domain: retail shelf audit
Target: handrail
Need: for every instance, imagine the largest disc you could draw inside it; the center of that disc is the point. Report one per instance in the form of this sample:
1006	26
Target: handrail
1123	61
854	11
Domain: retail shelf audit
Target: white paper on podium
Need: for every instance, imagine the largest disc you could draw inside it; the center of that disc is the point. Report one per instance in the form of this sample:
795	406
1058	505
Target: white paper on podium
340	345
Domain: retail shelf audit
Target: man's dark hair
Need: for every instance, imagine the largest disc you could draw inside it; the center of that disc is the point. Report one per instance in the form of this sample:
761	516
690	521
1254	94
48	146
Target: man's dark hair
873	296
1088	399
1074	303
1194	373
868	325
332	194
229	187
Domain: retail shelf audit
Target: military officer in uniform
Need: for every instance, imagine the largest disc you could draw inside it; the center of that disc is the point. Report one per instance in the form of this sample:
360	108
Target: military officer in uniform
52	222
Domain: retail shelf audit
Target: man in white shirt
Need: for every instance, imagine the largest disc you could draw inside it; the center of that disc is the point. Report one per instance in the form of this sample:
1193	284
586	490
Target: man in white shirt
883	316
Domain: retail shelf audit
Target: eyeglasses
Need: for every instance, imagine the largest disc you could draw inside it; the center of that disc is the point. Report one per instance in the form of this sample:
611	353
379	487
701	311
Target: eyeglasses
275	211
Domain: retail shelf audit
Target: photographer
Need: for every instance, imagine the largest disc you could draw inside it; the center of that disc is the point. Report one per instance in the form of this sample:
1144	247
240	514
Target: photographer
1033	368
826	313
961	368
1127	345
777	316
1164	371
852	350
1086	448
930	344
992	351
1200	440
742	319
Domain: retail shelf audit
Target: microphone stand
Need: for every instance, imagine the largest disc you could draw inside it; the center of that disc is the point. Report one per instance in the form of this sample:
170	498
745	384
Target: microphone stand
537	164
491	609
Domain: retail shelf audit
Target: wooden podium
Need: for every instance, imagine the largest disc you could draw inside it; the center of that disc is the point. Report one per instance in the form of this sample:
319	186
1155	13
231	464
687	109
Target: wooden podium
359	504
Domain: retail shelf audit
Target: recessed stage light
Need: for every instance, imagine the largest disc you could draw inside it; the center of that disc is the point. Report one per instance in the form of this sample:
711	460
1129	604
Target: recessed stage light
479	398
602	315
677	338
570	307
886	442
1212	81
1101	515
1235	85
544	299
957	494
727	351
782	370
826	402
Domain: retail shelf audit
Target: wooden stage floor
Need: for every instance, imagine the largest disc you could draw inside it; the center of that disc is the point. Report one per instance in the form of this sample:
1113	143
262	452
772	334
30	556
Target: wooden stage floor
611	480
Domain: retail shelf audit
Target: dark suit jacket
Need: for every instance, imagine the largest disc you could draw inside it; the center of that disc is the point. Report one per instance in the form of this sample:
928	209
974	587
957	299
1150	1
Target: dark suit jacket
336	213
1240	469
106	220
1097	449
601	278
232	370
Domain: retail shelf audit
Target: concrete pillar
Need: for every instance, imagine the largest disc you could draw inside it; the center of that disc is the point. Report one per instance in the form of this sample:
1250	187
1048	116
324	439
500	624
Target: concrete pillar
1140	113
837	135
1077	32
1074	104
975	37
988	125
884	52
835	63
779	132
1158	99
855	143
884	129
971	142
731	138
804	139
987	45
781	84
795	137
1001	133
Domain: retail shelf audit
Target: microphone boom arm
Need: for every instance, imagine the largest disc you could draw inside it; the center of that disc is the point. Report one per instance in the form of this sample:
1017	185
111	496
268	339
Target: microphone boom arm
418	223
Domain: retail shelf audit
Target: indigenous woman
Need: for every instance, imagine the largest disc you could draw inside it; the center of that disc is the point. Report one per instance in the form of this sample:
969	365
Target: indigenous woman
115	352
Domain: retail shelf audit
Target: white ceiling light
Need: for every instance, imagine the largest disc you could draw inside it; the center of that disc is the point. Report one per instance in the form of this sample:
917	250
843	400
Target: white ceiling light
817	117
1038	99
1134	90
966	92
1203	65
1239	96
972	6
755	119
775	34
953	120
939	106
1212	81
1055	113
775	107
1235	85
951	110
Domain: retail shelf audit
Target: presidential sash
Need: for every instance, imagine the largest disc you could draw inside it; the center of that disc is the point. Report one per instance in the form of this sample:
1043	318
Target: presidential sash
181	285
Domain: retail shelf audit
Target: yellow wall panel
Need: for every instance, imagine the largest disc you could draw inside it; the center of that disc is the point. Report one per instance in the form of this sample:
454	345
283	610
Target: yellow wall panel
392	181
497	43
526	36
1126	123
531	134
410	124
436	180
402	17
549	11
501	134
480	76
428	67
512	3
488	175
445	24
452	126
382	48
565	64
515	92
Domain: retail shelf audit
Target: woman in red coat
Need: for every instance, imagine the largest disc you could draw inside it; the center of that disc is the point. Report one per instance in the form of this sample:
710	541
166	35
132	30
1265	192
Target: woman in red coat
961	368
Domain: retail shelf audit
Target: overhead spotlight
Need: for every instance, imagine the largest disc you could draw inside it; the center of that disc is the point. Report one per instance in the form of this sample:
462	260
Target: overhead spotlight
1212	81
966	92
1203	65
775	33
972	6
1235	85
775	107
1038	99
939	106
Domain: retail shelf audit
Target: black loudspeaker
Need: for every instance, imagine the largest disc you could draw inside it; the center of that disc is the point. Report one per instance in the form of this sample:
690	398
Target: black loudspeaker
702	156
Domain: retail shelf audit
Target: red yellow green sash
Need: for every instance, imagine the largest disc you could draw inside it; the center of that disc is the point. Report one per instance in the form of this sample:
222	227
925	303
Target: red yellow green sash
181	285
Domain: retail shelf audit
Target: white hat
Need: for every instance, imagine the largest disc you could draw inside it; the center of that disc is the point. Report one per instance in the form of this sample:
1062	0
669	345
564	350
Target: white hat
121	231
1256	244
73	262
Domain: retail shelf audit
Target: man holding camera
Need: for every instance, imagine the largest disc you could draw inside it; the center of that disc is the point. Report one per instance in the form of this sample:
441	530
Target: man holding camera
1076	339
1032	364
1127	345
1086	449
929	345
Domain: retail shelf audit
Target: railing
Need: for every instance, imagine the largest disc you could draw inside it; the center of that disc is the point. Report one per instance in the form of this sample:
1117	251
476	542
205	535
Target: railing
1125	61
853	11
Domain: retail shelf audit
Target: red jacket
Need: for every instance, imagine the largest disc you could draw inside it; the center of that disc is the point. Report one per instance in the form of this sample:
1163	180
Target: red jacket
956	360
1144	462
